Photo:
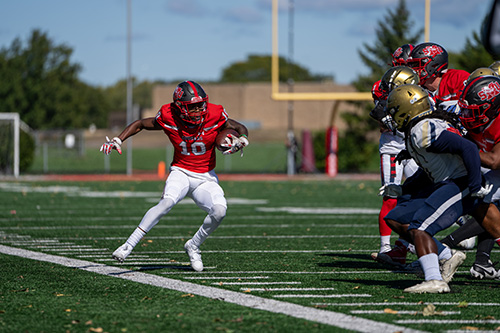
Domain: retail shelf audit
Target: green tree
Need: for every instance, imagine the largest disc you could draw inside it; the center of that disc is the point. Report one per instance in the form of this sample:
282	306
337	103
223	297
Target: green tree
142	92
356	151
257	68
473	55
41	83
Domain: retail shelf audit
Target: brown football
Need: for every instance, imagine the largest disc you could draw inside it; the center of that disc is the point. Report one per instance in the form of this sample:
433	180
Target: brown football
221	138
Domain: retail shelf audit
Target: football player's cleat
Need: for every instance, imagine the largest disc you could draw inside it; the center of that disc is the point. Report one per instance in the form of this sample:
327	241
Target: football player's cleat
468	244
194	255
449	267
122	252
415	268
487	271
429	287
395	257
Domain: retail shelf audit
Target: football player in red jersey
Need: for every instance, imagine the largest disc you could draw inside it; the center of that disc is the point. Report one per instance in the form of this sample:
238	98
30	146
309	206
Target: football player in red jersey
430	61
192	124
480	106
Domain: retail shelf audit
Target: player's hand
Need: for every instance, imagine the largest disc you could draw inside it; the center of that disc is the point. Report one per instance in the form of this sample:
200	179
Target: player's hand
402	155
483	191
109	145
235	144
390	190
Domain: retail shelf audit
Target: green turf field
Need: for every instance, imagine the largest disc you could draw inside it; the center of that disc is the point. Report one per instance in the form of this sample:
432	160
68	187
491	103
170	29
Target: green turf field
289	257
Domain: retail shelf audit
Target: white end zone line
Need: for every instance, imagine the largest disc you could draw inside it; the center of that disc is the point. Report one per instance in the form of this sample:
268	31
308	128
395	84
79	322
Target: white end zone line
298	311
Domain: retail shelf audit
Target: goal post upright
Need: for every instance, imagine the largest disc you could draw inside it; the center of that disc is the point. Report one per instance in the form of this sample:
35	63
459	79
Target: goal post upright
14	117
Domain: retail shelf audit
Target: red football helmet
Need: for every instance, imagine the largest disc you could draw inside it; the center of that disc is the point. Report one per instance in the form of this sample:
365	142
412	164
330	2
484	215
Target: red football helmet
191	100
428	60
480	102
401	55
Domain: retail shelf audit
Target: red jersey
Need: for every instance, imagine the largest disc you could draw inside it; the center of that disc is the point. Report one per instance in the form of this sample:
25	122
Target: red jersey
194	147
489	137
451	85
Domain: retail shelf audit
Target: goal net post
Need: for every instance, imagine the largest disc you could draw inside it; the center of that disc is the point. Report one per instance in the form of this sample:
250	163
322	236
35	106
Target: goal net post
10	132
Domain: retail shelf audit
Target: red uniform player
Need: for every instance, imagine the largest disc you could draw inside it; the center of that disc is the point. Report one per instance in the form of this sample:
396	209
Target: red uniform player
192	125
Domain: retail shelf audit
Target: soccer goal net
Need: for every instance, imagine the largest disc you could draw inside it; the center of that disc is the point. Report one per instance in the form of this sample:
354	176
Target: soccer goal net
10	127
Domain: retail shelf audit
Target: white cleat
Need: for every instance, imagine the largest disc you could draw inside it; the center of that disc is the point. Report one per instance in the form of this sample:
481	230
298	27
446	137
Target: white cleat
449	267
429	287
122	252
468	244
194	255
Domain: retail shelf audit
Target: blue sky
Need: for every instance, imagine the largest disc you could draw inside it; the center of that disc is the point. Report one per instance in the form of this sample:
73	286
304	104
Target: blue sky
196	39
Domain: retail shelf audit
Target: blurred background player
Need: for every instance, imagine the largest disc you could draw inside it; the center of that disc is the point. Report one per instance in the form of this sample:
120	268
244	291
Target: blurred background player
440	191
390	144
192	124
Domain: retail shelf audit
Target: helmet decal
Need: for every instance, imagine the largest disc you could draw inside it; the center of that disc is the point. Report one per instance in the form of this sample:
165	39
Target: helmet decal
398	52
178	92
432	50
489	91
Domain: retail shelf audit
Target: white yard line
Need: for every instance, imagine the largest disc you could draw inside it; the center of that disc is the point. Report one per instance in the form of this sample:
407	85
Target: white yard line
225	277
285	289
298	311
446	321
255	283
401	312
321	296
405	304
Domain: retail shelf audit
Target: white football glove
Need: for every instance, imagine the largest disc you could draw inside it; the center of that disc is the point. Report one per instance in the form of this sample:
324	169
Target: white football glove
235	144
109	145
390	190
483	191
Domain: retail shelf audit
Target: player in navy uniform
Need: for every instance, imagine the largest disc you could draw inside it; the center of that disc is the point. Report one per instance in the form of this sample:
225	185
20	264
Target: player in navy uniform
192	124
442	189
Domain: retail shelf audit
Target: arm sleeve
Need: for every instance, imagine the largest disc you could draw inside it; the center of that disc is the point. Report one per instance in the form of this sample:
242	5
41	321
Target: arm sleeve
449	142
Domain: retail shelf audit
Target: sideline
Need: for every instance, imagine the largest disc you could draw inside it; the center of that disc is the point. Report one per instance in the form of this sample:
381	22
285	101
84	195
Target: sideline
298	311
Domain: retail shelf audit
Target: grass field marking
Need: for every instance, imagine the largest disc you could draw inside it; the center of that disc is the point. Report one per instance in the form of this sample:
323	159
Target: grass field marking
447	321
401	312
234	237
298	311
225	225
291	272
320	296
286	289
225	277
306	210
405	304
257	283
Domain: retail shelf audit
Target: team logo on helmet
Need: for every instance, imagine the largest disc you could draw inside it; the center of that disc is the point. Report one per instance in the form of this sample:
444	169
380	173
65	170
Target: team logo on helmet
432	50
398	52
489	91
178	92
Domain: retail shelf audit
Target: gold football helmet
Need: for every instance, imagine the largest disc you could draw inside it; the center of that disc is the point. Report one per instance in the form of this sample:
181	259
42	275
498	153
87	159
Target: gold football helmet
408	102
496	67
480	72
397	76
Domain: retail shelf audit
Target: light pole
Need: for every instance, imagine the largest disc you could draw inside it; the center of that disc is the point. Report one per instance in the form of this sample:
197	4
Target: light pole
129	84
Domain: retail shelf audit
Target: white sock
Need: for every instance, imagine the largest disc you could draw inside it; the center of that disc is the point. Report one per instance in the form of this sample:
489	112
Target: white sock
445	254
385	243
430	266
136	237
